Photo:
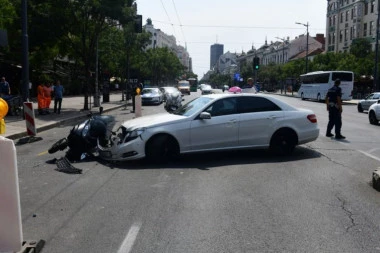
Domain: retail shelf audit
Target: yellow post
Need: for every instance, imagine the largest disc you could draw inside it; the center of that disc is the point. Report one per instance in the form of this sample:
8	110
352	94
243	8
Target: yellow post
3	112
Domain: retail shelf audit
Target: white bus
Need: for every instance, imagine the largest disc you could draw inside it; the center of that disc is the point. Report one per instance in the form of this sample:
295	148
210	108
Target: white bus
314	85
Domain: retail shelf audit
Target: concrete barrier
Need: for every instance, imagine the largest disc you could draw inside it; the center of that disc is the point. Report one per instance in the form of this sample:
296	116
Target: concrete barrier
10	212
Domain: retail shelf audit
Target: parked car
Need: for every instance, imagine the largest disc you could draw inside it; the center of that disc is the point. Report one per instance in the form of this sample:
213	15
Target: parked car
168	91
374	113
206	89
214	122
364	104
152	96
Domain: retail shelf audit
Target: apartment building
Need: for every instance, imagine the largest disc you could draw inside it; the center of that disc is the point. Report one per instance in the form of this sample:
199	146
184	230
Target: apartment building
348	20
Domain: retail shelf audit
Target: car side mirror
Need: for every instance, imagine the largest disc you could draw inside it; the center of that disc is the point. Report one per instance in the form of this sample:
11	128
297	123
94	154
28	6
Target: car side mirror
378	101
205	115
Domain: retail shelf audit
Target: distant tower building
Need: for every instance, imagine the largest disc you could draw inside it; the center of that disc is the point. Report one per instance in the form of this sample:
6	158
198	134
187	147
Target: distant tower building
216	51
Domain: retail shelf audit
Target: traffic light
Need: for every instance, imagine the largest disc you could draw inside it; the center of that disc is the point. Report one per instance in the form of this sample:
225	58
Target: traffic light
256	63
138	24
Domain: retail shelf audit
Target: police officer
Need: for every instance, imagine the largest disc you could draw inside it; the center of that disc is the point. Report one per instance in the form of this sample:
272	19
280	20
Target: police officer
334	107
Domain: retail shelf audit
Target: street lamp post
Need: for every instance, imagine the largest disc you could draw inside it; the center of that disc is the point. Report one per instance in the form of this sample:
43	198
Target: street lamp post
307	41
283	48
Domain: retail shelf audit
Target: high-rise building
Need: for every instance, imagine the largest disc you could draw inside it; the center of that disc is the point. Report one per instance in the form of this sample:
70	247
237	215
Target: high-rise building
349	20
216	51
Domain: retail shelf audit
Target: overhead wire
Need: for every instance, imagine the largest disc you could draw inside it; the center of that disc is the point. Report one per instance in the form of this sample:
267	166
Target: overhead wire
183	34
163	6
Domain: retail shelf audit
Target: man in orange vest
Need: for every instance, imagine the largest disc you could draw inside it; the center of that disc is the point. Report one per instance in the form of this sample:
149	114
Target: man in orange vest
41	99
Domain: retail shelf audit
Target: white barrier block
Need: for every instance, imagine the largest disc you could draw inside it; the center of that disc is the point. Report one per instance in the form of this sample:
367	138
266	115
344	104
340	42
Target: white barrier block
138	105
10	212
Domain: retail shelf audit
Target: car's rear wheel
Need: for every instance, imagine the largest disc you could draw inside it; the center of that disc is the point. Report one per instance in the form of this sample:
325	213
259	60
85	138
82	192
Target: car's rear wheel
161	148
360	108
372	118
283	142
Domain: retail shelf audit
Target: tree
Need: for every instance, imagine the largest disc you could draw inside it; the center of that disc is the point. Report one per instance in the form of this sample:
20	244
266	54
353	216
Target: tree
361	48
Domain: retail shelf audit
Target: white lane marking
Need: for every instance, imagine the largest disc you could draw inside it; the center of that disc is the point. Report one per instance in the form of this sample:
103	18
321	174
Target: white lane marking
369	155
129	240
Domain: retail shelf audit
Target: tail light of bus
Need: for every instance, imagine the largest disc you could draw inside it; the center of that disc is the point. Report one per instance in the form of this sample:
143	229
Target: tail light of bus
312	118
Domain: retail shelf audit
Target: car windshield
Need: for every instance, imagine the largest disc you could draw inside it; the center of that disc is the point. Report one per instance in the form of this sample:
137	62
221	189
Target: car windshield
193	106
147	91
170	89
183	84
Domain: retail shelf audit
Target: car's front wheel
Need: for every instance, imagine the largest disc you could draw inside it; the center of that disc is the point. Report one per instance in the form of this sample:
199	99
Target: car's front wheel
360	108
161	148
283	142
372	118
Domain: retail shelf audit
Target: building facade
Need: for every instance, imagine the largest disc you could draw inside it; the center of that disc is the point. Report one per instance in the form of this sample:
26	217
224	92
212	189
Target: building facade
216	51
160	39
348	20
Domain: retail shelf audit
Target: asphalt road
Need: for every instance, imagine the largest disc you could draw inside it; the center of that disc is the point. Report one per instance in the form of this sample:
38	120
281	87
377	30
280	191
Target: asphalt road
318	200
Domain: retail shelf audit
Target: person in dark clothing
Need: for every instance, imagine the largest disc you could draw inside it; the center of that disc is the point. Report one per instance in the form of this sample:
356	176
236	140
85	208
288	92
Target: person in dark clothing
334	107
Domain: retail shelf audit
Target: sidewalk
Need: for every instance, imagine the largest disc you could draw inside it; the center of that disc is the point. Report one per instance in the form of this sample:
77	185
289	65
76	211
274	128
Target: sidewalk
72	108
294	94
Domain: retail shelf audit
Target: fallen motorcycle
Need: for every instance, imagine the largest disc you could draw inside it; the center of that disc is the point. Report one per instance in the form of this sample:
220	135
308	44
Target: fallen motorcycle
84	137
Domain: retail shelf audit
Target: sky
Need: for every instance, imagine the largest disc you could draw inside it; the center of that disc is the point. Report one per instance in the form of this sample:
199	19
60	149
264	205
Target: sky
237	24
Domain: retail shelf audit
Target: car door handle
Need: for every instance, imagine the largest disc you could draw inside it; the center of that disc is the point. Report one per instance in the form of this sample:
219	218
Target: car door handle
233	121
272	117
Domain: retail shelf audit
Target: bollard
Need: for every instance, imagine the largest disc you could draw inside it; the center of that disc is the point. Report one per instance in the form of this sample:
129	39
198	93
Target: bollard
3	112
10	212
138	105
30	119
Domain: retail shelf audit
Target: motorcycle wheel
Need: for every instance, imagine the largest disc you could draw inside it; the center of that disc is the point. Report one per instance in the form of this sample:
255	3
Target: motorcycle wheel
59	145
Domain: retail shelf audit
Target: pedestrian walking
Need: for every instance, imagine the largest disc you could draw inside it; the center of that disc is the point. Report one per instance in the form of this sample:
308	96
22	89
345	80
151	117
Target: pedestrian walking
58	96
334	107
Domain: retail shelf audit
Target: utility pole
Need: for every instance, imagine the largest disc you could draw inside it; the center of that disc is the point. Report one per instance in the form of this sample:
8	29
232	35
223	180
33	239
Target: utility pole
375	75
96	98
307	43
25	52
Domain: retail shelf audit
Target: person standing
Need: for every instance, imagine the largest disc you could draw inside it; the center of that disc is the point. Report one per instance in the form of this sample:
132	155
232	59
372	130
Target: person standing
334	107
41	99
5	89
58	96
47	96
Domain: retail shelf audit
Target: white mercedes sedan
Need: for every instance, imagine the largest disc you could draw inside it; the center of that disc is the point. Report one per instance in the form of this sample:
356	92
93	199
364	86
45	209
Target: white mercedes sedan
214	122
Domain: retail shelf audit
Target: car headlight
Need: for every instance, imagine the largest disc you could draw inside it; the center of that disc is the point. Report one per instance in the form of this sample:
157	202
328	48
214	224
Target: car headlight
134	134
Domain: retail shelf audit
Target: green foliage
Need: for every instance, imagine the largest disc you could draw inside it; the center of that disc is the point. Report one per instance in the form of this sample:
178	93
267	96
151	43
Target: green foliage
361	47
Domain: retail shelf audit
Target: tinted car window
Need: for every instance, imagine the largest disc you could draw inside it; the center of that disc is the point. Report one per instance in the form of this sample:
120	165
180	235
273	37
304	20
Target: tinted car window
256	104
223	107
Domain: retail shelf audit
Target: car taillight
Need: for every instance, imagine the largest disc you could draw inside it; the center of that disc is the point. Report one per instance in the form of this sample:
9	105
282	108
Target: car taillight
312	118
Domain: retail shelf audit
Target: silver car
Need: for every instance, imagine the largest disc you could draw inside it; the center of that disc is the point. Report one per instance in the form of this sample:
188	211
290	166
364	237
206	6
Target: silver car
206	89
152	96
374	113
212	123
364	104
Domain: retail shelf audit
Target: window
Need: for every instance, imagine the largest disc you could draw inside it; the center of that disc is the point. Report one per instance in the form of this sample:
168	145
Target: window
371	27
345	34
372	6
223	107
256	104
366	9
341	17
347	15
341	36
365	29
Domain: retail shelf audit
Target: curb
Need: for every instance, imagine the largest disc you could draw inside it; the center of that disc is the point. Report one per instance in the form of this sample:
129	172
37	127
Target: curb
57	123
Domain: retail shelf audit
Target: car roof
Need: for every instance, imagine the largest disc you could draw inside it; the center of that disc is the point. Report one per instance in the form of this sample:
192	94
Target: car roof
284	105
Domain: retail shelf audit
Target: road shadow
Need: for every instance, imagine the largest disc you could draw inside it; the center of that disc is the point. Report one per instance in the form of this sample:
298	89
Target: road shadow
207	161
